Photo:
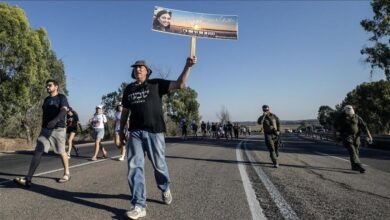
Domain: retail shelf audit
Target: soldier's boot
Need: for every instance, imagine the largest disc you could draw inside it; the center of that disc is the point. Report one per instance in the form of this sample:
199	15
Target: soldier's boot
360	168
275	162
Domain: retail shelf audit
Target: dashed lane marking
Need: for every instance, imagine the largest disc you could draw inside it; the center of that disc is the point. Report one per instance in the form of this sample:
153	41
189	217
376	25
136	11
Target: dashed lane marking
284	208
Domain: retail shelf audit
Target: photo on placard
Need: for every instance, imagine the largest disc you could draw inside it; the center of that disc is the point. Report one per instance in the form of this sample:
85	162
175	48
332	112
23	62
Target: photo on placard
195	24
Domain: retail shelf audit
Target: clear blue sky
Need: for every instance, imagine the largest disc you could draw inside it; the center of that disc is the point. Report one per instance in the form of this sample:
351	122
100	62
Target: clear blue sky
292	55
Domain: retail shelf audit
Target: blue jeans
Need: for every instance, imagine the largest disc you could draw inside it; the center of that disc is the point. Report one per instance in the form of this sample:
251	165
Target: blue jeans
153	144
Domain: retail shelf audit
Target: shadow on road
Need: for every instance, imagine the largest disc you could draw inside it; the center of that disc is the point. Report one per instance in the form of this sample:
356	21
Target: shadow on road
218	160
79	197
293	146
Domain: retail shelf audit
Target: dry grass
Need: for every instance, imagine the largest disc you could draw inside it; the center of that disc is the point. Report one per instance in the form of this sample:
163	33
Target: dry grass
14	144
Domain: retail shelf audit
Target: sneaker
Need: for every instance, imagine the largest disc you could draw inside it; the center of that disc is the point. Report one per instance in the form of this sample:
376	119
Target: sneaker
136	212
276	165
68	155
22	181
122	158
167	197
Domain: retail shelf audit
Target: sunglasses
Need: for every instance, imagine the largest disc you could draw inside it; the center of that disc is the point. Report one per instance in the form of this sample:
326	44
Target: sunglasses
49	85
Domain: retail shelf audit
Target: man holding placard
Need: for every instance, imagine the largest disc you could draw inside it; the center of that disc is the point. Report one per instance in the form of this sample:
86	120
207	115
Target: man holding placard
143	98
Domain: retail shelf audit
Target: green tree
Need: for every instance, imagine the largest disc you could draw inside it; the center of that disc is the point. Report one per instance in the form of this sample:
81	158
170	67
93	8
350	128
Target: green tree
111	100
371	102
379	54
325	116
26	62
183	104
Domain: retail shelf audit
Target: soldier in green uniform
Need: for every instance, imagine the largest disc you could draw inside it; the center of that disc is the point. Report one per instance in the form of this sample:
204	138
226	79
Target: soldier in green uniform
271	127
350	126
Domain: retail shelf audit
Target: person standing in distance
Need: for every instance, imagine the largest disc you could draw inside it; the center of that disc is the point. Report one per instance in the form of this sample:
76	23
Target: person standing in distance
271	128
52	135
143	98
120	145
350	126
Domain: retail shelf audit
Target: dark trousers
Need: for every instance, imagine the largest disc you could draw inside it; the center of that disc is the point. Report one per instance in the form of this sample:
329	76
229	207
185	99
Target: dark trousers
352	143
273	148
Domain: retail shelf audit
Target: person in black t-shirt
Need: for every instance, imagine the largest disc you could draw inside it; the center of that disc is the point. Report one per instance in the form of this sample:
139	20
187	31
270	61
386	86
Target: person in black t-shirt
143	98
183	127
52	134
229	127
72	123
203	128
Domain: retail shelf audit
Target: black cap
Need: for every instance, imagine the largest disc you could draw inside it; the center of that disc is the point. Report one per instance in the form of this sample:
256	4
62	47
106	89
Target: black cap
265	107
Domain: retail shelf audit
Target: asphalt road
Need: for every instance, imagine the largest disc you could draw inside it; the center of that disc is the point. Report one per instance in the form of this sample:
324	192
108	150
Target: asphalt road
211	179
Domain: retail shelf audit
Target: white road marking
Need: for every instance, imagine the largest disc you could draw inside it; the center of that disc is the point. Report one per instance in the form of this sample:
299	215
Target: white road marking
284	208
324	154
61	169
254	205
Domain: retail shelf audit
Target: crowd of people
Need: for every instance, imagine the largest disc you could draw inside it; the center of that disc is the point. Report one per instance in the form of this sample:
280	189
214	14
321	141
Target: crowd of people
217	130
139	125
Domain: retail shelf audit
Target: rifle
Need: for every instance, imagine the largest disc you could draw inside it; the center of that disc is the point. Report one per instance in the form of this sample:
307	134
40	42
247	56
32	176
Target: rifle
279	142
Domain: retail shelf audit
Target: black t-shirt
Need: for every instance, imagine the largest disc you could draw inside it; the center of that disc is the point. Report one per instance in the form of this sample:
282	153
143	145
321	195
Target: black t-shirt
145	103
51	108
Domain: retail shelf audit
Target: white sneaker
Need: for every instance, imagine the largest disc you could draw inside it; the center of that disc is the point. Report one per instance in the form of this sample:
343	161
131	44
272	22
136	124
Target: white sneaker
167	197
122	158
68	155
136	212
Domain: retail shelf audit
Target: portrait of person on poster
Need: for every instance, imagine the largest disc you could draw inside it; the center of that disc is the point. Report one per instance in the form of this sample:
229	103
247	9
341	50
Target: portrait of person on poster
162	20
193	24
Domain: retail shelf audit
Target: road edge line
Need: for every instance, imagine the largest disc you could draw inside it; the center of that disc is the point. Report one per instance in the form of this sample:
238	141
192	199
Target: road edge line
254	205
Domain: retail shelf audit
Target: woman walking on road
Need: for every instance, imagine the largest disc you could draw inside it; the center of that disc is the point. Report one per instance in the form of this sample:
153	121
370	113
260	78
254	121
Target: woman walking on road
97	122
72	123
117	140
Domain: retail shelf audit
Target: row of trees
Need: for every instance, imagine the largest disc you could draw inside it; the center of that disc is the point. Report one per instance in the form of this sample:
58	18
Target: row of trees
371	100
26	62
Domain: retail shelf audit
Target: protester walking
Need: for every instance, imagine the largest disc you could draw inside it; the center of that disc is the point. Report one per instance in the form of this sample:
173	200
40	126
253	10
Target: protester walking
97	122
52	135
183	127
72	124
143	98
119	144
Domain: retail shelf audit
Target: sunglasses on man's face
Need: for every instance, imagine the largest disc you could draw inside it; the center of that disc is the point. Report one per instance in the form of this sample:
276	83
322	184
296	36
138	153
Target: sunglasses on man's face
49	85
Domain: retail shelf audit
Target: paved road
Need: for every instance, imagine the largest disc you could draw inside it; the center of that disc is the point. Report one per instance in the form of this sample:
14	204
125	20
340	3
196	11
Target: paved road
211	179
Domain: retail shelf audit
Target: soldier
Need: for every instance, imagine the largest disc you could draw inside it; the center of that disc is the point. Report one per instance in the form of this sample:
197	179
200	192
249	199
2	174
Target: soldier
350	126
271	127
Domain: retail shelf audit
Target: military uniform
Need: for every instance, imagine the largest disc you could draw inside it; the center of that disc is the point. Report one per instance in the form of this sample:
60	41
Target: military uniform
271	128
350	128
